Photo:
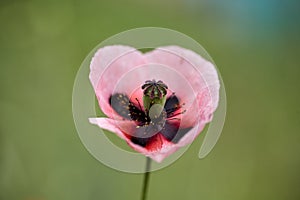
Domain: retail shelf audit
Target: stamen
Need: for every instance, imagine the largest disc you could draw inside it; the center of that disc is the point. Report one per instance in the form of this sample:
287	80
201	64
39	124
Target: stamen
138	103
174	119
174	115
175	108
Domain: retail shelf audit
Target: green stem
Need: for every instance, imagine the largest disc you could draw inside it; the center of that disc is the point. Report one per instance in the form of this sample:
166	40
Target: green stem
146	179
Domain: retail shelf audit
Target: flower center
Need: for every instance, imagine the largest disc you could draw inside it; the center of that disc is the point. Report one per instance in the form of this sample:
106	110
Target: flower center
156	113
154	99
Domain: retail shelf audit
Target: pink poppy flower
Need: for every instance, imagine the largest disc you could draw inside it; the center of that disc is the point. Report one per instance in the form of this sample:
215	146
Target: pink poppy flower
158	101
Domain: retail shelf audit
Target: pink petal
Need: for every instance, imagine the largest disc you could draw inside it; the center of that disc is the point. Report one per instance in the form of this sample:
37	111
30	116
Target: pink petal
108	65
199	73
158	151
191	135
112	125
166	149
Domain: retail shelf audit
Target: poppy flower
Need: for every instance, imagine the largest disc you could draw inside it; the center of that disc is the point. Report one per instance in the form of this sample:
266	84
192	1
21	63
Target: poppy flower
158	101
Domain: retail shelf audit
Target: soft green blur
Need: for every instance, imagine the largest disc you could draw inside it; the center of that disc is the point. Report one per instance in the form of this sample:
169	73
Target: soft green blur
256	47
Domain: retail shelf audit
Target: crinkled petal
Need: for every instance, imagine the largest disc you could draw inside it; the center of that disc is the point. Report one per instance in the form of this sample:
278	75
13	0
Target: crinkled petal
165	149
157	150
199	73
191	135
112	125
108	65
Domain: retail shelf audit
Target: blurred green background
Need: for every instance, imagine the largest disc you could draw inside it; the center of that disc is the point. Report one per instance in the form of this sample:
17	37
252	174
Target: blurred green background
256	47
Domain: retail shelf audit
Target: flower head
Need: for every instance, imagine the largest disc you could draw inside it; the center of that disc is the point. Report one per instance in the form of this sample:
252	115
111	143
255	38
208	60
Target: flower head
158	101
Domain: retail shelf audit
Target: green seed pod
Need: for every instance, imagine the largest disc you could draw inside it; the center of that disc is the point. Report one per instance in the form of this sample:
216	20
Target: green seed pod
154	93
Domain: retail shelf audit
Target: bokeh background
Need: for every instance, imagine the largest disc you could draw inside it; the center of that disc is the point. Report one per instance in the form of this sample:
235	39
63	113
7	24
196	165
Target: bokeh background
256	47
